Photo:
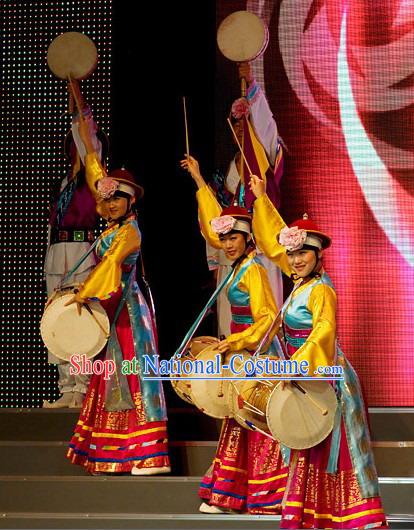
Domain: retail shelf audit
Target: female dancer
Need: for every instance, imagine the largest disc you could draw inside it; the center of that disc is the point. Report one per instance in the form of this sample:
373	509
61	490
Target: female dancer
122	425
334	484
247	473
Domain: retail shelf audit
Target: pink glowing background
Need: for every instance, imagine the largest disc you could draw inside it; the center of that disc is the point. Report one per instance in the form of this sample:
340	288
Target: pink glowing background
340	80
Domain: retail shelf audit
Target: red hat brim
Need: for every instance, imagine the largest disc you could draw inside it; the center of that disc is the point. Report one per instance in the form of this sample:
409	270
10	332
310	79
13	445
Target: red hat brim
312	228
139	190
326	240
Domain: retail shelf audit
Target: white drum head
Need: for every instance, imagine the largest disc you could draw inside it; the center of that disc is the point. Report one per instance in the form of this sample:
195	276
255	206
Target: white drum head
67	333
298	420
72	54
183	389
242	36
210	395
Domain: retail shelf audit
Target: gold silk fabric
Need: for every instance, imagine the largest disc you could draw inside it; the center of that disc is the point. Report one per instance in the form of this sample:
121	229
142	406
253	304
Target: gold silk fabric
267	225
94	172
255	282
208	209
320	346
105	279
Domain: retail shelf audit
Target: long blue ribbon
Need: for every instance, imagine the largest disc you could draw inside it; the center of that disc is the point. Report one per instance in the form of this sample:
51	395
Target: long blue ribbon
200	317
78	264
117	393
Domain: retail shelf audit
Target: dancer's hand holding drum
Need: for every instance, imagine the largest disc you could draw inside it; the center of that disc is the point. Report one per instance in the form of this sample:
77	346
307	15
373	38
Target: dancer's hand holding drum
223	346
245	72
241	37
76	299
65	330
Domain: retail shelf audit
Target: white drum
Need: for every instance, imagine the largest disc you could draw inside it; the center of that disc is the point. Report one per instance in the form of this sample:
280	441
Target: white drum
181	385
66	333
302	415
72	55
248	397
211	395
242	36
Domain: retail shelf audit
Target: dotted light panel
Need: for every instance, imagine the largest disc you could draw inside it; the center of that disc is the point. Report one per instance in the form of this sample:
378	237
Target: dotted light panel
34	122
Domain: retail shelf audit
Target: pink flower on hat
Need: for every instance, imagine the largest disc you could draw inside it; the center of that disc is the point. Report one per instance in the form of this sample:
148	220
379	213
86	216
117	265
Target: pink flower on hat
240	108
292	238
223	224
107	187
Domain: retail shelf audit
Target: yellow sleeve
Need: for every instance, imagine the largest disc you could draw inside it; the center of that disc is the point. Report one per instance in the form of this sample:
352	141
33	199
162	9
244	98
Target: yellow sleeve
105	279
319	348
267	224
256	282
208	208
94	172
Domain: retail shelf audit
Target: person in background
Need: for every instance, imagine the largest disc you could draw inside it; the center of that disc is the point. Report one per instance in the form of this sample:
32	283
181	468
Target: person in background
230	187
72	222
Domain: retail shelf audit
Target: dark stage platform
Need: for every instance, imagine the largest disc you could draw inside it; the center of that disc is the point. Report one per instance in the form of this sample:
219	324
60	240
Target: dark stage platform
39	488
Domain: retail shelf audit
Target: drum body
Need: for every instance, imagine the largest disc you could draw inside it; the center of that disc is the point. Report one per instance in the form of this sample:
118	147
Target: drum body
248	397
242	36
301	418
72	55
181	385
210	394
66	333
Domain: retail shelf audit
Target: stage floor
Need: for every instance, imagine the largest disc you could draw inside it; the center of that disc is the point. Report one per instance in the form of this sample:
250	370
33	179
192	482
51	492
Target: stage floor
39	488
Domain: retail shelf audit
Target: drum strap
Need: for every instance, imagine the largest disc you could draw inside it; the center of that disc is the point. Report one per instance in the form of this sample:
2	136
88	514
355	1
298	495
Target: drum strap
266	337
280	349
77	265
285	306
184	344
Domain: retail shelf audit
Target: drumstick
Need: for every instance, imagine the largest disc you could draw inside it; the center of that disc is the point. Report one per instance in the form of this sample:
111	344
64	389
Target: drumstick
240	147
75	97
220	393
323	410
187	146
253	426
89	310
252	408
243	86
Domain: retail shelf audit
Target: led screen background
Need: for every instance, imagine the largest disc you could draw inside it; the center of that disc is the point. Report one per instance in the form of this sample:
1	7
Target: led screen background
339	77
34	122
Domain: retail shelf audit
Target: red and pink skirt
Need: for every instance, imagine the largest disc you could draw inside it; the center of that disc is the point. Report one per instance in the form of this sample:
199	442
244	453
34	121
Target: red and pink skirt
114	442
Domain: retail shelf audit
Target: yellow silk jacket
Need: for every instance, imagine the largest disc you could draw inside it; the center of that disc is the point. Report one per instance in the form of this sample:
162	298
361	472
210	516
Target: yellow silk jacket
117	245
249	286
311	305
